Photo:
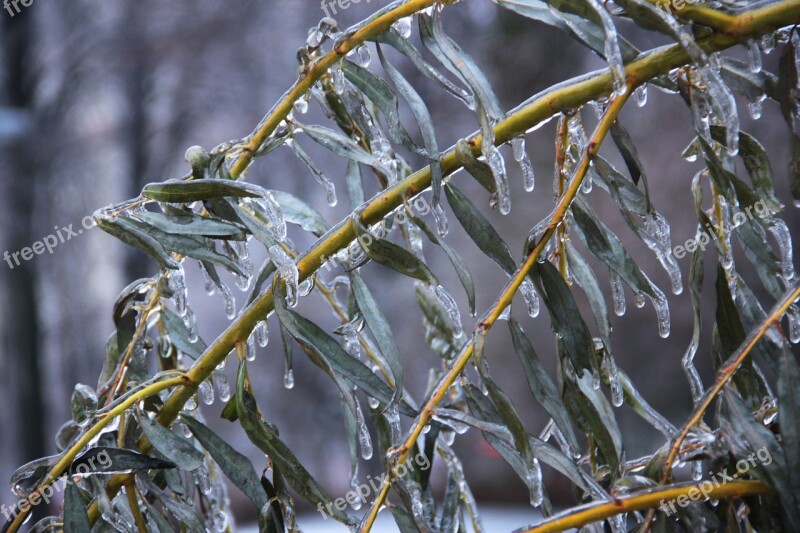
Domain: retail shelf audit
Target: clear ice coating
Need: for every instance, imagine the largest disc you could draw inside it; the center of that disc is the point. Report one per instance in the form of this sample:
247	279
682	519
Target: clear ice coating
781	233
794	324
403	27
261	332
337	78
229	300
640	94
177	284
617	294
287	270
301	105
450	307
531	297
639	299
364	440
656	236
534	482
521	157
695	383
754	55
272	212
611	48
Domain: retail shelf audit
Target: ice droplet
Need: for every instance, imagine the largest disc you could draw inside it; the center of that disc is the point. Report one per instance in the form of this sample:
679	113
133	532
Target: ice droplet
287	270
190	321
618	294
531	297
223	387
521	157
206	391
262	333
640	94
337	78
442	227
363	57
301	105
288	379
639	300
364	440
697	470
662	310
450	307
230	301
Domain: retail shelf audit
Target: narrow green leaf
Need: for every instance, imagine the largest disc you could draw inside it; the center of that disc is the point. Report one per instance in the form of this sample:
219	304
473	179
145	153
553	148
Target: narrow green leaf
182	192
175	448
235	465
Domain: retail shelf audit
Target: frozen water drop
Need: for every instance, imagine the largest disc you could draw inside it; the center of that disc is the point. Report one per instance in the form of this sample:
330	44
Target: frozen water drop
288	378
641	95
262	333
287	270
618	294
531	297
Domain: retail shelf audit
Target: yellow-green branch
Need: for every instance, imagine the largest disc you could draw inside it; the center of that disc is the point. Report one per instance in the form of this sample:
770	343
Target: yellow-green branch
595	512
66	460
567	96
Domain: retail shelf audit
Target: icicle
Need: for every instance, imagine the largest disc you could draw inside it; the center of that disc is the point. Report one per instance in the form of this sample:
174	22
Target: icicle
250	349
534	481
393	419
781	233
754	54
596	381
587	184
164	346
262	333
724	107
794	324
177	284
364	440
442	227
610	368
640	94
450	308
190	321
288	378
521	157
618	294
230	301
498	167
223	387
775	336
191	404
208	283
272	211
206	391
756	106
337	78
350	338
287	270
415	240
403	27
657	238
662	310
531	297
315	37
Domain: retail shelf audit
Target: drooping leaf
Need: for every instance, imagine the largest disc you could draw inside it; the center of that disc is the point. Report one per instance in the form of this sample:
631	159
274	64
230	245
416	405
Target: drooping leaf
235	465
172	446
178	191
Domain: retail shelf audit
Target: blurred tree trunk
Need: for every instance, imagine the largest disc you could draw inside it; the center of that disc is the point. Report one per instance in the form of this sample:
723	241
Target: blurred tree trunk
23	338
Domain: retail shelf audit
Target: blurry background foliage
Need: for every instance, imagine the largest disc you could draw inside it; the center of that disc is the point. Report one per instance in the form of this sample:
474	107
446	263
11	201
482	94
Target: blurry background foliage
577	186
